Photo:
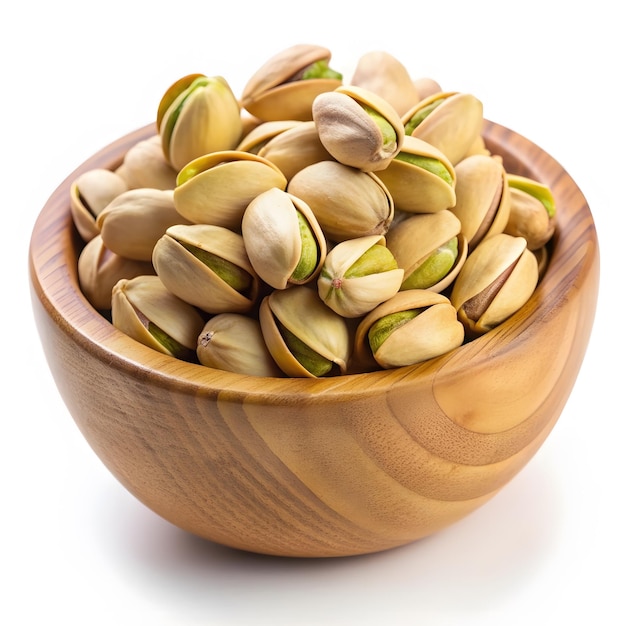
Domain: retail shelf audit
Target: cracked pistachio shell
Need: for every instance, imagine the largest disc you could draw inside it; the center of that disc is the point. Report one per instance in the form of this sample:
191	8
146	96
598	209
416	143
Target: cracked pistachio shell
283	239
295	149
321	335
134	221
254	140
496	280
429	248
234	342
216	188
207	266
450	121
385	75
144	309
346	201
420	178
483	199
358	275
90	193
198	114
144	165
411	327
99	270
533	212
280	90
358	127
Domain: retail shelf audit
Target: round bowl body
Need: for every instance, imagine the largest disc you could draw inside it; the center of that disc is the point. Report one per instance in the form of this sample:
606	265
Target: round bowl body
321	467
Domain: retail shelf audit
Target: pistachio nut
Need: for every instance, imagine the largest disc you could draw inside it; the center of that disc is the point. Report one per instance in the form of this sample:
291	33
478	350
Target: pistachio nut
426	87
234	342
533	211
283	239
295	149
284	87
133	222
346	201
385	75
430	248
483	199
358	275
409	328
420	178
99	269
89	195
144	165
450	121
496	280
258	136
144	309
306	338
207	266
358	127
198	114
216	188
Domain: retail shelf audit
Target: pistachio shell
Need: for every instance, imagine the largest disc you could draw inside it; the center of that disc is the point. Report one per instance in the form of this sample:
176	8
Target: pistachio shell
90	193
197	115
273	239
134	221
234	342
415	240
358	127
347	202
382	73
433	331
483	200
276	90
99	270
496	280
300	311
426	87
216	188
358	275
533	214
145	310
225	283
453	124
144	165
295	149
420	178
258	136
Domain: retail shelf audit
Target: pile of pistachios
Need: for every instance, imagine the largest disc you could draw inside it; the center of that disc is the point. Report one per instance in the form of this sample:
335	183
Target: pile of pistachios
314	226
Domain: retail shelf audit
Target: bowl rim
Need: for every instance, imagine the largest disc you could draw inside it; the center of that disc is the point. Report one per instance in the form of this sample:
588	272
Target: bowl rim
55	244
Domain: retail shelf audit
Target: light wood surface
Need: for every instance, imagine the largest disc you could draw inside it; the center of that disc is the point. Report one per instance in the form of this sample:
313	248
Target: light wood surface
328	467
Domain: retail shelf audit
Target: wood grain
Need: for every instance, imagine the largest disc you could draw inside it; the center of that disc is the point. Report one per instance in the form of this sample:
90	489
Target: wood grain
328	467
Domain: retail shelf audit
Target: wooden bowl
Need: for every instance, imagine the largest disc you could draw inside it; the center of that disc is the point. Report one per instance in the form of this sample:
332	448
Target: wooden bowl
327	467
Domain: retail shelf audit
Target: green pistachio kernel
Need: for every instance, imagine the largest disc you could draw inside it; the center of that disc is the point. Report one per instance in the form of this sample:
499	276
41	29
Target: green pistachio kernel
420	116
390	137
170	344
237	277
432	165
376	259
383	327
313	362
309	254
320	69
434	268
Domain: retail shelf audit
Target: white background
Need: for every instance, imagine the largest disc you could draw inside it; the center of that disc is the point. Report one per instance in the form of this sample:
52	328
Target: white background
78	549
